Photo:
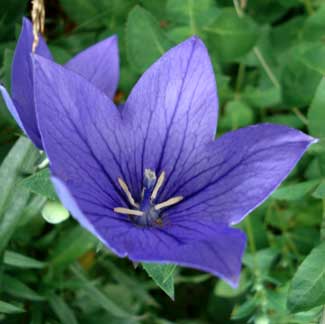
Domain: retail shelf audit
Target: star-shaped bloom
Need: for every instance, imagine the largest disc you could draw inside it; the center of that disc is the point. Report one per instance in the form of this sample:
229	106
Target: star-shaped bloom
99	64
149	180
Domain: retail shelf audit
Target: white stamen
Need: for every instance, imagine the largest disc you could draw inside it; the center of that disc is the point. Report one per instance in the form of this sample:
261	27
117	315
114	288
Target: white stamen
158	185
127	211
126	190
169	202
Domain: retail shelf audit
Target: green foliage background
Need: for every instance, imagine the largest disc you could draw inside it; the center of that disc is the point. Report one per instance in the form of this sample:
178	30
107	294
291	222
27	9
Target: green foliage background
269	60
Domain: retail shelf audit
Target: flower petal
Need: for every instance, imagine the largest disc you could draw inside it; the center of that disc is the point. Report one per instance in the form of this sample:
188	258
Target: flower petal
11	107
238	172
99	64
22	80
199	245
94	215
172	109
80	131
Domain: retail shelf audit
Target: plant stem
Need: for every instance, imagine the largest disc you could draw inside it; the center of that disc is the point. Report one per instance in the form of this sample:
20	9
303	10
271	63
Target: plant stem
257	51
238	8
299	114
240	77
266	67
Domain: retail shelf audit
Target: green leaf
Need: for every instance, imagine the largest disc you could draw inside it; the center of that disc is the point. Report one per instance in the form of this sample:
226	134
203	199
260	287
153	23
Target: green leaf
222	289
195	14
6	308
145	40
236	114
320	191
41	184
307	288
95	13
231	36
54	213
313	29
18	260
18	289
10	15
295	191
262	98
244	310
13	199
299	81
163	275
314	58
98	297
5	115
72	245
316	112
62	310
20	160
262	259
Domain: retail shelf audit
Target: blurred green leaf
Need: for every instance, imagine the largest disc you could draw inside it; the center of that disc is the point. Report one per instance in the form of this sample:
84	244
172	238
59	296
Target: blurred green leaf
6	308
18	260
18	289
320	191
299	81
316	112
268	10
62	310
286	35
21	159
5	75
72	245
244	310
41	184
295	191
262	259
313	28
142	28
262	98
307	287
222	289
163	275
236	114
98	297
194	14
231	36
314	58
11	13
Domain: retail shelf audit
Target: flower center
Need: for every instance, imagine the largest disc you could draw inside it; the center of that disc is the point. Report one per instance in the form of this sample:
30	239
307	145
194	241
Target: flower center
146	212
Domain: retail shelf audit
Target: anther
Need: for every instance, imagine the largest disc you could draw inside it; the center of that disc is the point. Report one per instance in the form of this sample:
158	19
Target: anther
149	179
158	185
127	211
169	202
126	190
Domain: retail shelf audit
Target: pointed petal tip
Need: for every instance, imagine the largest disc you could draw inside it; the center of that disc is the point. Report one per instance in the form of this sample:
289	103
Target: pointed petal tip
26	20
111	40
194	40
313	140
27	25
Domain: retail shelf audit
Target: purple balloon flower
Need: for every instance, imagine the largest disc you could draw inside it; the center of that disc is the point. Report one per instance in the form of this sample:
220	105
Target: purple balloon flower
99	64
149	180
